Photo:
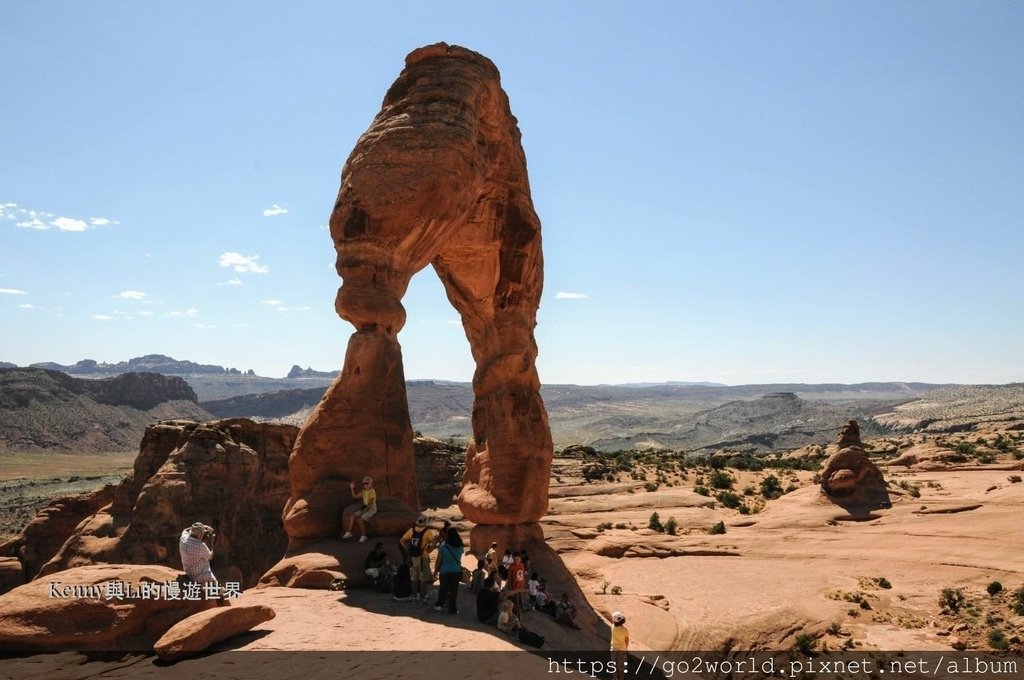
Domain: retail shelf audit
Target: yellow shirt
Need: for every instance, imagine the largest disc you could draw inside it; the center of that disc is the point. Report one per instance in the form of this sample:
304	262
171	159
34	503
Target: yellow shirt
620	638
369	497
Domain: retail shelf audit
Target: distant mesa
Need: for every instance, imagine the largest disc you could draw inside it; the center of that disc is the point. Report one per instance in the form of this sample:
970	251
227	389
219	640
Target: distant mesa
6	364
299	372
45	409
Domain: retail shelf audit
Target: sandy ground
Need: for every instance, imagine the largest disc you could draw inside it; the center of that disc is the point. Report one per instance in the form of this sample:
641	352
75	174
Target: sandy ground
800	566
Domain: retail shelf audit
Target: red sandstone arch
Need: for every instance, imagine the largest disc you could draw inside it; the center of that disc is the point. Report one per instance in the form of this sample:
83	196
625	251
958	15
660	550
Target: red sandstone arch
438	179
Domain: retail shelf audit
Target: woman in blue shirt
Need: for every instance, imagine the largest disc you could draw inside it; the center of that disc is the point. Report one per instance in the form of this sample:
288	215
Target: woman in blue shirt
448	567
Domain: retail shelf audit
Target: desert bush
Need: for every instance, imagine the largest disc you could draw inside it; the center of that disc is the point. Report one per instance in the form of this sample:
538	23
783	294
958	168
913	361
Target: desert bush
655	522
951	599
791	488
651	486
994	587
604	525
997	639
805	643
721	480
621	525
834	628
702	490
616	590
604	587
965	447
771	487
986	458
717	528
670	526
728	499
1013	479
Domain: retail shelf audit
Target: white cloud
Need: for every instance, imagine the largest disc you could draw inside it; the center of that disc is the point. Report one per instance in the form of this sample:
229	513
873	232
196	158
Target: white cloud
203	325
148	255
234	282
281	309
34	224
101	221
175	313
243	263
569	296
69	224
145	312
274	211
191	311
304	308
12	291
27	306
101	317
272	303
132	295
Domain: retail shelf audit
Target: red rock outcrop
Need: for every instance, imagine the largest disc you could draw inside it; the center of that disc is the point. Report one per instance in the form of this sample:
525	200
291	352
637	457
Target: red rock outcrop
850	436
82	616
229	474
849	478
438	179
194	634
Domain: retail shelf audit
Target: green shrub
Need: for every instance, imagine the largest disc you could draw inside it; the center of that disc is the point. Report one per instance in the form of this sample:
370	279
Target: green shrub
616	590
728	499
655	522
834	628
965	447
621	525
952	599
702	490
671	526
721	480
717	528
805	643
994	587
997	639
771	487
604	525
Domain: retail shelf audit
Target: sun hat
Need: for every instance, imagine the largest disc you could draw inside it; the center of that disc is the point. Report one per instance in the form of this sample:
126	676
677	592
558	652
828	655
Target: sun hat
367	480
617	617
421	520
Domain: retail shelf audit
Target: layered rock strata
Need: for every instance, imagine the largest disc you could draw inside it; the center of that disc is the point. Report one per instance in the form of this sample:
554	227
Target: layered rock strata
438	179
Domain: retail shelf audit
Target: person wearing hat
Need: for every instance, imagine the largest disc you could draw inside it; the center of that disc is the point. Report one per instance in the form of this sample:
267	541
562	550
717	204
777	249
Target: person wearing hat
417	542
619	645
368	509
196	552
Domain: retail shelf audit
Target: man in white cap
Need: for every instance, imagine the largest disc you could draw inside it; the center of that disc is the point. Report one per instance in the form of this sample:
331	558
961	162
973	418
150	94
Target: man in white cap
196	552
619	644
368	509
418	542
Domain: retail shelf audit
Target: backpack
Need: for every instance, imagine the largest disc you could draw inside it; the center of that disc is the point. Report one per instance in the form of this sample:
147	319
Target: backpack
401	584
528	637
416	543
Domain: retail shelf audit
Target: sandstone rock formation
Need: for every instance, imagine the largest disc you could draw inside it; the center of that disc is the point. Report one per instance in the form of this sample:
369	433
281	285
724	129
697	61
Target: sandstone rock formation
438	179
12	574
229	474
315	566
194	634
849	478
850	436
32	618
52	526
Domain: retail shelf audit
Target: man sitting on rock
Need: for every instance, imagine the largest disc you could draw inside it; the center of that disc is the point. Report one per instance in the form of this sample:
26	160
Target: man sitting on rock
196	552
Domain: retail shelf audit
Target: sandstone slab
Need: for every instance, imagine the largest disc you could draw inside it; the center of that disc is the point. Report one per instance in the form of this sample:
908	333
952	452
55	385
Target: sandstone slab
75	611
194	634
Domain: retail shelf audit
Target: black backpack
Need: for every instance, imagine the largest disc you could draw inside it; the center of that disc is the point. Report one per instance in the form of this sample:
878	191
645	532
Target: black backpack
401	584
416	543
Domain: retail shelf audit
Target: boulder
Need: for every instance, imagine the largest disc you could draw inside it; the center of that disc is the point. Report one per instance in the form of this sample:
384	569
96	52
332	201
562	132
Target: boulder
74	610
12	574
230	474
194	634
849	478
850	436
316	565
438	179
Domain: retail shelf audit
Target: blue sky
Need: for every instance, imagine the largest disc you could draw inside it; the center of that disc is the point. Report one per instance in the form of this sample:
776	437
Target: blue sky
735	192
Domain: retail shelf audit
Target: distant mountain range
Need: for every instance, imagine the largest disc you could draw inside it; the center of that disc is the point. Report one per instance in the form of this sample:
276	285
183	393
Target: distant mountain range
151	363
42	409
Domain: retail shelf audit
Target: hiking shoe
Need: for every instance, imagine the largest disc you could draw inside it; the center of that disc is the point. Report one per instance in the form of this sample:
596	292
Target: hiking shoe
348	534
362	539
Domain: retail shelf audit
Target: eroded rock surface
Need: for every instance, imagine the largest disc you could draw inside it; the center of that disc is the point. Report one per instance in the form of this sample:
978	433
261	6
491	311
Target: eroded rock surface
850	478
194	634
438	179
229	474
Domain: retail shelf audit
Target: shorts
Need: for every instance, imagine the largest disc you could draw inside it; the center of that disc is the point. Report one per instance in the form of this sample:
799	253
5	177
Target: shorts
368	513
420	570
